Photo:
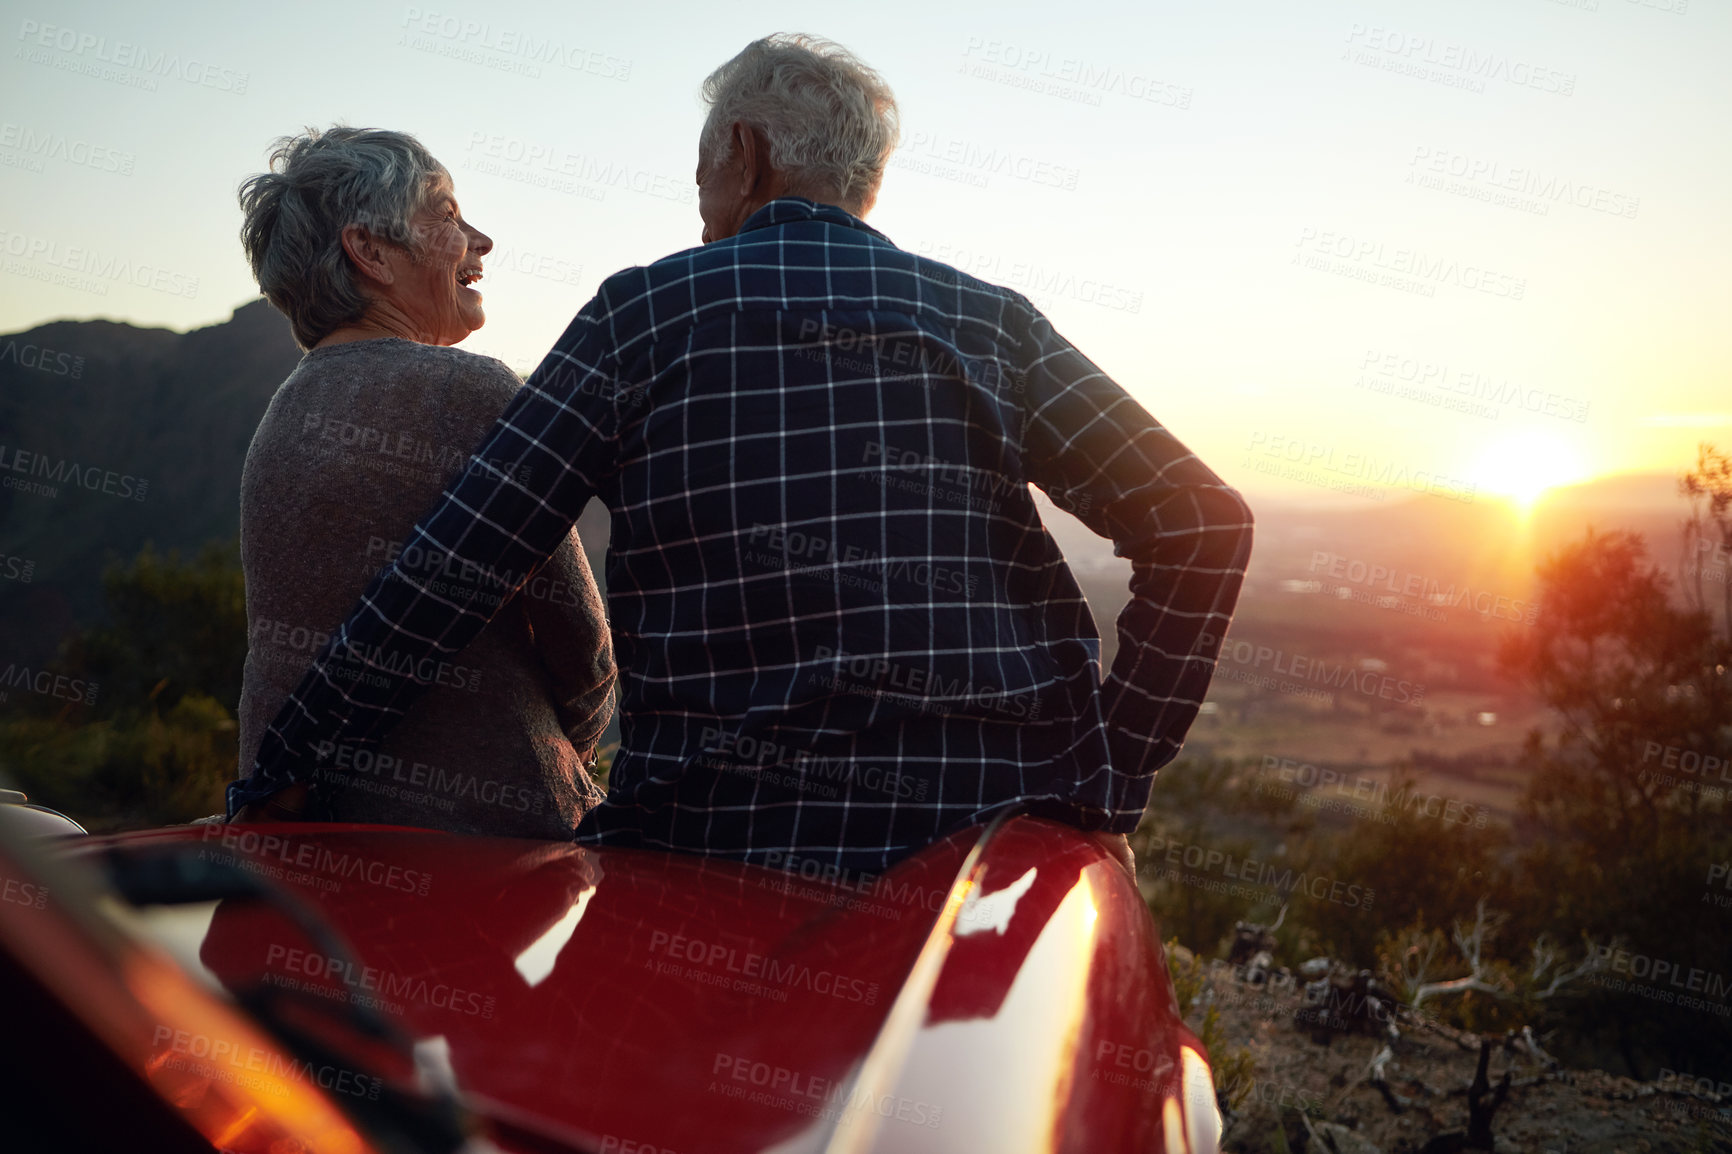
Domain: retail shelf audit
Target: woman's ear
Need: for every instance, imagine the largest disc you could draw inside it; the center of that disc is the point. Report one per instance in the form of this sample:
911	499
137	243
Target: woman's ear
368	255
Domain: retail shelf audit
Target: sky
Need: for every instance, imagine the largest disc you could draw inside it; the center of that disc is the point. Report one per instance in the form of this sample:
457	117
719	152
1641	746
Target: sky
1345	250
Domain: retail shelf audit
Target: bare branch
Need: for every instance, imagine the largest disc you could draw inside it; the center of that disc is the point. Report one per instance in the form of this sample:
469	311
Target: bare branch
1589	964
1458	986
1534	1049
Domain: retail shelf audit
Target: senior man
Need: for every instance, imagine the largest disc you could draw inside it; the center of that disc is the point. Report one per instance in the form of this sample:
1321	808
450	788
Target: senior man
842	628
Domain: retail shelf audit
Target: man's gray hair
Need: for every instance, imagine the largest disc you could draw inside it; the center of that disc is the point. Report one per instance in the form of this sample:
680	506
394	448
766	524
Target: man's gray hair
830	121
318	185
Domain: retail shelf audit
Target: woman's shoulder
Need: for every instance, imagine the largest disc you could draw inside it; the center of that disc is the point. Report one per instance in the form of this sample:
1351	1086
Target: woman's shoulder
462	360
394	374
482	377
394	356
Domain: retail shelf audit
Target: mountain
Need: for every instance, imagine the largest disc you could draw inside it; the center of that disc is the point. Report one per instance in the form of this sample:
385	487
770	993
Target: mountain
138	435
1420	584
112	435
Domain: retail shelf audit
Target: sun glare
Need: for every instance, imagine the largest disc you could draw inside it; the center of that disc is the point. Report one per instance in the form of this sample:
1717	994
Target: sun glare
1523	466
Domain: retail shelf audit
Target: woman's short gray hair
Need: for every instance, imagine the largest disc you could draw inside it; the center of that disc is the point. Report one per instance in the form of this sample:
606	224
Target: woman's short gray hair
830	120
318	185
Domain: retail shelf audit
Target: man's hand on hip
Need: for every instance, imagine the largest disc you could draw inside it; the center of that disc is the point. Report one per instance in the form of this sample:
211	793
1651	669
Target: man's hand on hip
285	805
1118	847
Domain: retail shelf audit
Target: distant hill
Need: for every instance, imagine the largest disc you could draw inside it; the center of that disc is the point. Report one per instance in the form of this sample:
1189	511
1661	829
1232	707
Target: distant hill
1400	582
132	435
1647	503
89	406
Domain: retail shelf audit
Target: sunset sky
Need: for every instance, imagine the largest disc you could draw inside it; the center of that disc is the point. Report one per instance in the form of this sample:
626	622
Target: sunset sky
1467	248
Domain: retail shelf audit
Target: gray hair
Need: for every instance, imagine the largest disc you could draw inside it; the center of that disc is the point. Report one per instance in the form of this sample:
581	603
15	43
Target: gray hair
319	183
830	121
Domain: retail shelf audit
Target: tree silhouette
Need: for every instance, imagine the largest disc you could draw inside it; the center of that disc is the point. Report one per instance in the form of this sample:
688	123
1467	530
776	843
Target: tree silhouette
174	627
1708	531
1629	675
1622	816
159	742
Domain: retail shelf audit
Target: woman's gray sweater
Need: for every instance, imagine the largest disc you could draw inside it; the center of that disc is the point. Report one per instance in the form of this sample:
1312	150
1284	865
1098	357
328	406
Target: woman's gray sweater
358	442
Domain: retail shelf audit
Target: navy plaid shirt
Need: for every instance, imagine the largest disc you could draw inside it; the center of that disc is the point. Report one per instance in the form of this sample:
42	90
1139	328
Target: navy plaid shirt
841	628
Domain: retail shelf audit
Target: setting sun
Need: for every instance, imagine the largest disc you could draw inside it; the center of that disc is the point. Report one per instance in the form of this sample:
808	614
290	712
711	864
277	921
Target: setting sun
1523	466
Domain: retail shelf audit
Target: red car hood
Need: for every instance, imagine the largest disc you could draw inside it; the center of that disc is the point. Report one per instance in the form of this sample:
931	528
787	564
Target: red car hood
1002	990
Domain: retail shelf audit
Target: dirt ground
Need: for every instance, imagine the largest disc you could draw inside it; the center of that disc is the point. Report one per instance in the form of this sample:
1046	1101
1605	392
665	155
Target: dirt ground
1304	1097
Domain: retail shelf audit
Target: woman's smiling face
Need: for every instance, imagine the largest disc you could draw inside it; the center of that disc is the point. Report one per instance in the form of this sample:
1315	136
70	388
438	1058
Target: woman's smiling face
430	288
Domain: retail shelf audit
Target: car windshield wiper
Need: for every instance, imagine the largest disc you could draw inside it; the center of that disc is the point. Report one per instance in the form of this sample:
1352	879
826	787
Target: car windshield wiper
434	1122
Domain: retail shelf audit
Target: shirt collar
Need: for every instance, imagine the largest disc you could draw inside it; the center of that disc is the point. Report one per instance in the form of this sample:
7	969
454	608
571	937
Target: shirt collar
787	209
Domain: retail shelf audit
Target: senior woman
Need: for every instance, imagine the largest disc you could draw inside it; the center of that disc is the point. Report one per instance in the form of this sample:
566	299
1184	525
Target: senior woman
356	236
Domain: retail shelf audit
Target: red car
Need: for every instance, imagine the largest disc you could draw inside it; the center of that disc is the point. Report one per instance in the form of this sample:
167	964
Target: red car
283	988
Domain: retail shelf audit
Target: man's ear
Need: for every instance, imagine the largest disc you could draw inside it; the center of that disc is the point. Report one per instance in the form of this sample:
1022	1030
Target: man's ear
367	254
754	153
